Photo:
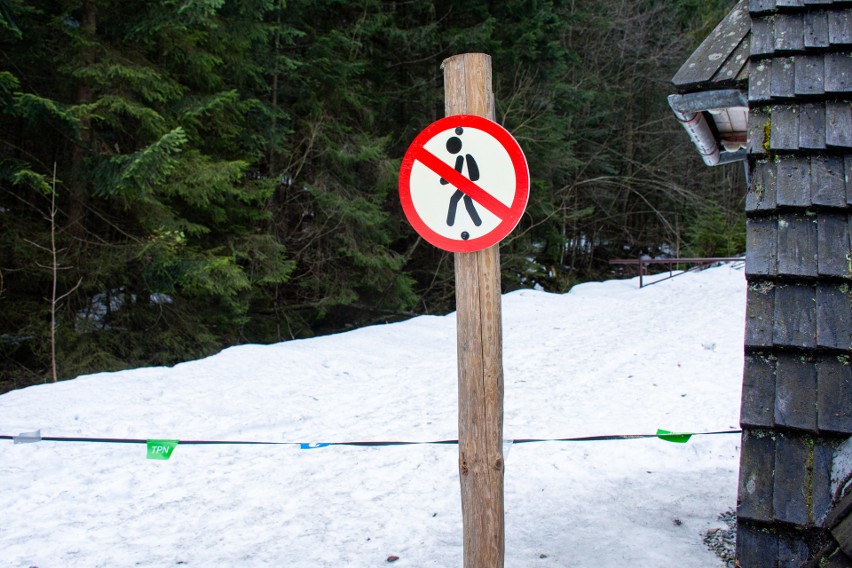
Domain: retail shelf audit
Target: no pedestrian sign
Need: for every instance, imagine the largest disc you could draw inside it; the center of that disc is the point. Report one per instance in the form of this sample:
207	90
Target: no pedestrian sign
464	183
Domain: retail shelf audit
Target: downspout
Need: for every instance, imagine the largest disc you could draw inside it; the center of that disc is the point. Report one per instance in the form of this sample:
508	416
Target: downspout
699	132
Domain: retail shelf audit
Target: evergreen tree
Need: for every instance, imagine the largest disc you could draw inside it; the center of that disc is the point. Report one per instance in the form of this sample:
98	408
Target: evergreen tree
226	171
159	211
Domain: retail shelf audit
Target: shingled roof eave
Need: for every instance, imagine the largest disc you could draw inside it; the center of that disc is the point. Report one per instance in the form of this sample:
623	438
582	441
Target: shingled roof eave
721	61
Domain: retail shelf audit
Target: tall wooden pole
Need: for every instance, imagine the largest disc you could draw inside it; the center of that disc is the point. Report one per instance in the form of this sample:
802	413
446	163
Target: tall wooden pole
467	90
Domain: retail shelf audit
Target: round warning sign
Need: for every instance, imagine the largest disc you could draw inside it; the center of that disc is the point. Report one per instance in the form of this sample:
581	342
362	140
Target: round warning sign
464	183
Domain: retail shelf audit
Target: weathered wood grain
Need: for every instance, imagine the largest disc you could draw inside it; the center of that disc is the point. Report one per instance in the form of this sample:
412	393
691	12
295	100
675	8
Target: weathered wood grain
762	190
785	128
790	32
834	316
794	181
758	396
833	245
838	72
762	36
761	246
795	316
816	29
827	183
842	510
783	78
840	27
795	394
812	126
760	81
756	546
756	466
722	54
797	245
760	307
838	124
735	64
843	534
757	6
847	164
758	121
810	75
467	88
792	454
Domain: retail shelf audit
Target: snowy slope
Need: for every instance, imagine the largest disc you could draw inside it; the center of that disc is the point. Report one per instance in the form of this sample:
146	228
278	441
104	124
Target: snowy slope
606	358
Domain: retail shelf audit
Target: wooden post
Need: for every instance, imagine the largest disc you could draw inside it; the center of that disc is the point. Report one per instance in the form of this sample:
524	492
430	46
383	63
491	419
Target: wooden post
467	90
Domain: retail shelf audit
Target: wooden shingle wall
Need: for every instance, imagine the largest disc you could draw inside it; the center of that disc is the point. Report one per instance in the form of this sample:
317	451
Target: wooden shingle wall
797	388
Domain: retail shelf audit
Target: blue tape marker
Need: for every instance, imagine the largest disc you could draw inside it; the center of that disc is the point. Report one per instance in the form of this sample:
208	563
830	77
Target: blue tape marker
313	446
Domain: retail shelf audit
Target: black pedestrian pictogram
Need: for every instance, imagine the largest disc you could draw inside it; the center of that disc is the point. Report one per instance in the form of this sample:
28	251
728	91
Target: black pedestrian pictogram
454	146
475	160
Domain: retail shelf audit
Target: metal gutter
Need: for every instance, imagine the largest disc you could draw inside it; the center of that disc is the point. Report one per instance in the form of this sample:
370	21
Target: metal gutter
689	109
701	135
705	100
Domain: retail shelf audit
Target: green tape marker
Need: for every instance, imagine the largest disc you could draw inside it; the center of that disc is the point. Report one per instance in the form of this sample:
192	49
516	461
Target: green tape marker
161	449
676	437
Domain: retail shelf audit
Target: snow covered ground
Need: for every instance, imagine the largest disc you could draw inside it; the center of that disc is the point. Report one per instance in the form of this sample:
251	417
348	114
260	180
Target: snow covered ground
606	358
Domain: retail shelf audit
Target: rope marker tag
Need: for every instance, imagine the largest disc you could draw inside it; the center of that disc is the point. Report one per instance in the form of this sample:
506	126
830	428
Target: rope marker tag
161	449
313	446
676	437
27	437
507	445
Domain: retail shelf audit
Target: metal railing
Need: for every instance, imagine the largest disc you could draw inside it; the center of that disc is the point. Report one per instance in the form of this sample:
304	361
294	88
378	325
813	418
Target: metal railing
640	263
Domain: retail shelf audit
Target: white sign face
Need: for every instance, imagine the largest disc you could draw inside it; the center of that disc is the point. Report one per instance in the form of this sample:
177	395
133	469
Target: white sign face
440	206
464	183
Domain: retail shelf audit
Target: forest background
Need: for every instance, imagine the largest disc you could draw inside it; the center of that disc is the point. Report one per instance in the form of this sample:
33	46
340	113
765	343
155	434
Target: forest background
178	176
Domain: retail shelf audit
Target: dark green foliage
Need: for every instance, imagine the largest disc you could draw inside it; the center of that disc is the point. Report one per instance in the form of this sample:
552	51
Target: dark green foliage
226	171
160	214
712	233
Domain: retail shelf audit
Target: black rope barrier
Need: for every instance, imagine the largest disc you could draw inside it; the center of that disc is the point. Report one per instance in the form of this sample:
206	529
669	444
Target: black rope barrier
671	436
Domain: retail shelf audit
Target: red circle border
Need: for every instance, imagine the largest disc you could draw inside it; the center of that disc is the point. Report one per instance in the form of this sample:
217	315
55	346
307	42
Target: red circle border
519	165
